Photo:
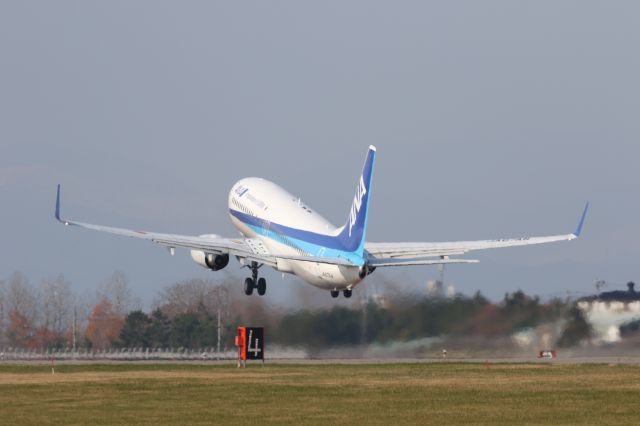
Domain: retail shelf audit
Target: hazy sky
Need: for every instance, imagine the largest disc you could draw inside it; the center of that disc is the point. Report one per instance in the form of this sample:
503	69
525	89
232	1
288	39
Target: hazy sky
492	119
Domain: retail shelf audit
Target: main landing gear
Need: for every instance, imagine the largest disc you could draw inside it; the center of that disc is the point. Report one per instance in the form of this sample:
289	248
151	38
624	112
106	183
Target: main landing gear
254	282
336	293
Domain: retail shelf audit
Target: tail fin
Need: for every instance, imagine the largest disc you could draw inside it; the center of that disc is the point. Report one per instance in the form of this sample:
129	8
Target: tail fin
353	232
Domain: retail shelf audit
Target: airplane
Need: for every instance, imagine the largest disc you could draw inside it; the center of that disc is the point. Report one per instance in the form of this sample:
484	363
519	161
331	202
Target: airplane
280	231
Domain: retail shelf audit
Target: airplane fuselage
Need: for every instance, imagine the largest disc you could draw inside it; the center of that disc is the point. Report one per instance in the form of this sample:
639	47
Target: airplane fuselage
263	210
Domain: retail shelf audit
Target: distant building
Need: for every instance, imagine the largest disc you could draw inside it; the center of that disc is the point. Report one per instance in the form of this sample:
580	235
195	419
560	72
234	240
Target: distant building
379	300
451	291
607	311
436	289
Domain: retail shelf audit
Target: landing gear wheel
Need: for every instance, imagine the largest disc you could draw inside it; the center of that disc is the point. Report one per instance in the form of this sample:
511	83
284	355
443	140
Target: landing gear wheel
347	293
248	286
334	293
262	286
254	282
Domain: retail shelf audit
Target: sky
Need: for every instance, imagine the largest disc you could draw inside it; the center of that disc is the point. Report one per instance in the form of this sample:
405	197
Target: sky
492	119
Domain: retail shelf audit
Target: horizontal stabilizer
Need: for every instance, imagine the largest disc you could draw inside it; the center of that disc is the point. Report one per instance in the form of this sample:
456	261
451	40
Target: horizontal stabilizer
317	259
378	263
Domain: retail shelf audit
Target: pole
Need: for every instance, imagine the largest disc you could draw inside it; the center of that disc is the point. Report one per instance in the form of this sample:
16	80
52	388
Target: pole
363	337
75	314
218	348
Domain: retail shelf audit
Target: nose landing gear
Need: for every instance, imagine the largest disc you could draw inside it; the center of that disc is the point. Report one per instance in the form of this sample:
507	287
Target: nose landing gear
254	282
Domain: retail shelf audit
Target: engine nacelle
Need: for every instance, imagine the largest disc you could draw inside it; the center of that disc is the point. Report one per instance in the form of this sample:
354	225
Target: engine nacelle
366	270
215	262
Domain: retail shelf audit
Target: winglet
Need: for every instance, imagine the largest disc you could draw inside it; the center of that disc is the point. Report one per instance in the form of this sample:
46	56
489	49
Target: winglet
58	206
578	230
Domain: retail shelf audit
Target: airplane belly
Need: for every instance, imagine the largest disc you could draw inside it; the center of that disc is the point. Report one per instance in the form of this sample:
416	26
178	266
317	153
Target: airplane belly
325	276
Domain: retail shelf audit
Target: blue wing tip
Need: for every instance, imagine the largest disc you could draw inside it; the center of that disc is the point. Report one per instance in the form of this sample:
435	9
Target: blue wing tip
578	230
58	204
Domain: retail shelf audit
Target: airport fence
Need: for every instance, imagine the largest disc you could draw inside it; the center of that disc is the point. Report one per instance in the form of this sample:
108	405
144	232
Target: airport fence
139	354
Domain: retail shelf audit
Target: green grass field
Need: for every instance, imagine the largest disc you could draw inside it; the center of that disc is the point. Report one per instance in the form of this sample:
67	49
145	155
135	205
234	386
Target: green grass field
329	394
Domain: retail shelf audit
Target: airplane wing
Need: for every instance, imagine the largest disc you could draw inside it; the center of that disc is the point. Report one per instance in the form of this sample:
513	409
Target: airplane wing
404	254
250	249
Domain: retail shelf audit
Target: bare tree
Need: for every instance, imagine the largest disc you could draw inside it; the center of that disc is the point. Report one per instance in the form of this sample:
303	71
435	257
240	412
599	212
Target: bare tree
3	314
57	305
85	302
20	295
21	306
117	292
192	295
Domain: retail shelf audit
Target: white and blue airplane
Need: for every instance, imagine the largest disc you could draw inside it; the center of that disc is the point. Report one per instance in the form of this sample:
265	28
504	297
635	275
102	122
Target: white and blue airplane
280	231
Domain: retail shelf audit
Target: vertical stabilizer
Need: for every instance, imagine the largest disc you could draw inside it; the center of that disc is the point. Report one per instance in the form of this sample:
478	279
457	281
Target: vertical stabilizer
353	232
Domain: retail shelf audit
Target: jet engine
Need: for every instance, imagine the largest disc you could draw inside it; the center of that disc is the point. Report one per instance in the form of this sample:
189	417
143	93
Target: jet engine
366	270
215	262
212	261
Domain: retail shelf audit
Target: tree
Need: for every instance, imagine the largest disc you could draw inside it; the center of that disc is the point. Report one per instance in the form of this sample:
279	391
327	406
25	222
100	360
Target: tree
192	307
104	325
326	328
488	322
21	304
56	313
21	331
191	295
520	310
576	329
21	297
135	331
3	313
184	330
117	292
159	329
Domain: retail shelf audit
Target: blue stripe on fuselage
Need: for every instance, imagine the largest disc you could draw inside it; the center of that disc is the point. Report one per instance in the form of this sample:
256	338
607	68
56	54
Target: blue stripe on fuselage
309	242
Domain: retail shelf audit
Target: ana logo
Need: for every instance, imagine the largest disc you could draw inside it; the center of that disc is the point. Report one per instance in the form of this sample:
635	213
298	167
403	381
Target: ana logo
357	203
241	190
